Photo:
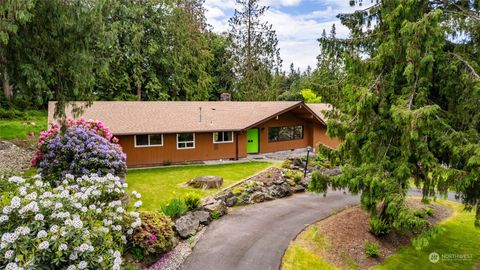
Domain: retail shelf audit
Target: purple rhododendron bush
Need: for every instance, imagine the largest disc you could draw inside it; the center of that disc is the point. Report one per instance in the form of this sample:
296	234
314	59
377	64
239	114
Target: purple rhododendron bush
82	223
82	148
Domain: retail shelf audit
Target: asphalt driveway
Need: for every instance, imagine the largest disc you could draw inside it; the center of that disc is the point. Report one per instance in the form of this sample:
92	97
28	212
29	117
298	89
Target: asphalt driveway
255	237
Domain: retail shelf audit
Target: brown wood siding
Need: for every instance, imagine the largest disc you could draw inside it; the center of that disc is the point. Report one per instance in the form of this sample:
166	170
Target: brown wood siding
287	119
204	149
320	137
314	134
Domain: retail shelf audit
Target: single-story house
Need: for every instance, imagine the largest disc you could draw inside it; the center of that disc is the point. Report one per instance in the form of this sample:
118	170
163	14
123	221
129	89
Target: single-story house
166	132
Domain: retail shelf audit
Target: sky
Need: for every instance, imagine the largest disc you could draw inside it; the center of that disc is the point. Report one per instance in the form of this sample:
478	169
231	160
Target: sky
298	24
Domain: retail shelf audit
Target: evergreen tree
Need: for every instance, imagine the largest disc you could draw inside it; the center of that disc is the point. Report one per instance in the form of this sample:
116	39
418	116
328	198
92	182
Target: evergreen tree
221	66
328	77
255	51
410	110
13	13
51	56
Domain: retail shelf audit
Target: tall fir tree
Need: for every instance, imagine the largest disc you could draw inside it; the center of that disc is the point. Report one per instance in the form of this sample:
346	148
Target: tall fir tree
13	14
255	52
410	111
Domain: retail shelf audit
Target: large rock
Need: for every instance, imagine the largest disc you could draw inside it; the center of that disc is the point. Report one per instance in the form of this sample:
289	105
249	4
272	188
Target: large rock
187	225
280	191
218	206
230	202
202	216
224	196
206	182
257	197
298	188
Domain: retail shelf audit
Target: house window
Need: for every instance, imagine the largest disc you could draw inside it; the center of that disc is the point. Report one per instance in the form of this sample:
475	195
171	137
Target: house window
148	140
185	140
276	134
223	137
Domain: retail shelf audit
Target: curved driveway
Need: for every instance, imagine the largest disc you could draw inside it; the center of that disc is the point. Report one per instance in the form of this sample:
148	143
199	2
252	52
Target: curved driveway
255	237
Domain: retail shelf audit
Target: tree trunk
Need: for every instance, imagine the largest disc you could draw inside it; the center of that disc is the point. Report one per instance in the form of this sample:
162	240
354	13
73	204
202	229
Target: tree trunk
139	92
7	88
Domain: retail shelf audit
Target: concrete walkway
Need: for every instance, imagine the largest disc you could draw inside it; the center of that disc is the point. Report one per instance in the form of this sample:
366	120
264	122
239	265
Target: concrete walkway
255	237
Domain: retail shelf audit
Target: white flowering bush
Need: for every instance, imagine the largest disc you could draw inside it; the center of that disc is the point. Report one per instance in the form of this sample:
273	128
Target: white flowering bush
81	224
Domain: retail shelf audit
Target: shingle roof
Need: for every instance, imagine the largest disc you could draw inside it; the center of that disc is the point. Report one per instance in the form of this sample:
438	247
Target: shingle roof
137	117
320	109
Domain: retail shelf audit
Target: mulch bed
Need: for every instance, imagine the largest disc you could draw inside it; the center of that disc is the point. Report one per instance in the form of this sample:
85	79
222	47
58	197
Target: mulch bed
348	231
268	176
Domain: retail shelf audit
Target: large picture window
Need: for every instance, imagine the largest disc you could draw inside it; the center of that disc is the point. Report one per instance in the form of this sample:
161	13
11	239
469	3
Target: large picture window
148	140
223	137
186	140
276	134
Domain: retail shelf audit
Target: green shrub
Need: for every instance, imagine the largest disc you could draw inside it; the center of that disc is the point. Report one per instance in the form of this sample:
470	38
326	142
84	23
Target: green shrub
13	114
372	249
238	190
174	208
215	215
288	174
429	211
297	177
137	253
192	201
420	213
379	227
287	164
42	226
155	234
251	184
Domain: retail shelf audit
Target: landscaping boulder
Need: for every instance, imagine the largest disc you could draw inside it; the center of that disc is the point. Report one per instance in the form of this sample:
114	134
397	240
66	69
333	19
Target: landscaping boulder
224	196
218	206
230	202
202	216
298	188
279	181
206	182
257	197
280	191
186	225
298	162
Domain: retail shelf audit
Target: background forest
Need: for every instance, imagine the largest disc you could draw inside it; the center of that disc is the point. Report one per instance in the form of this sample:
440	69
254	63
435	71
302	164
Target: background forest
142	50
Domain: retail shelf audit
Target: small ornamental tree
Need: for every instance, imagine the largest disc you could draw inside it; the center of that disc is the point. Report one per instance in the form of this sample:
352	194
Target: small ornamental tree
84	147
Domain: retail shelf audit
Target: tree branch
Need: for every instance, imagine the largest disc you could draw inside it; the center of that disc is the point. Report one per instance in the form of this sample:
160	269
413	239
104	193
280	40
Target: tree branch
472	70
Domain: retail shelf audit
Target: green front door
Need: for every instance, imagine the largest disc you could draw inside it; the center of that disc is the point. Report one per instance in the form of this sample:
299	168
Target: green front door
252	141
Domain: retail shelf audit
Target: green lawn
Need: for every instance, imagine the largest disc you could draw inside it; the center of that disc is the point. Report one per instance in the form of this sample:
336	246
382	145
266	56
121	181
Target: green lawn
460	238
161	184
19	128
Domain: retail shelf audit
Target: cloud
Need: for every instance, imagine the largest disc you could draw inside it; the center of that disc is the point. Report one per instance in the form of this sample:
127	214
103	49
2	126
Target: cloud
298	24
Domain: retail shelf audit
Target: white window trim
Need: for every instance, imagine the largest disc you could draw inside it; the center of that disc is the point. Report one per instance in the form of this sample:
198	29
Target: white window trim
149	145
213	137
182	148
